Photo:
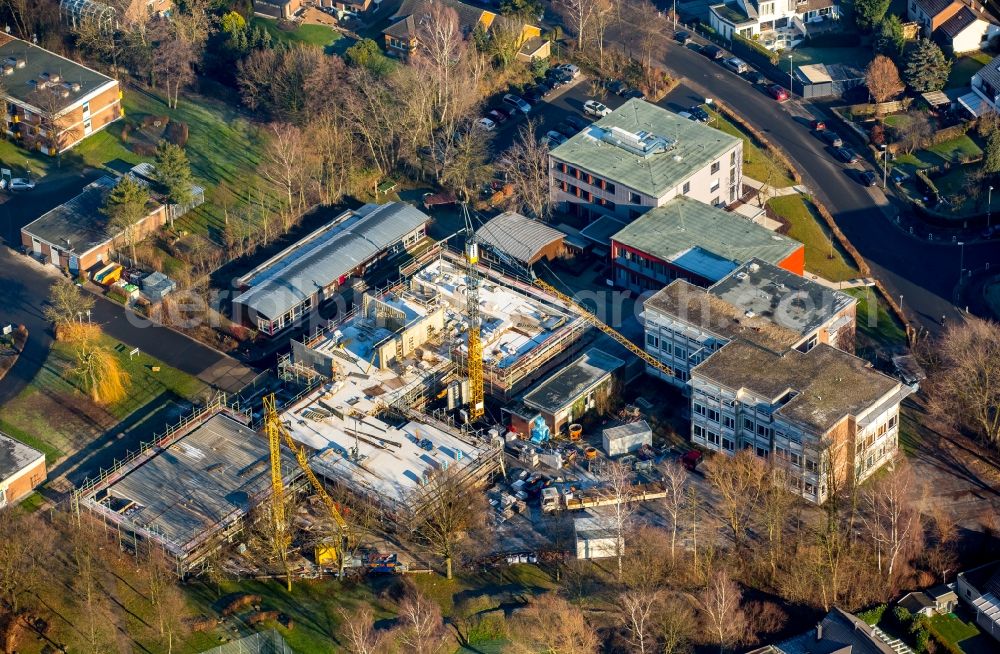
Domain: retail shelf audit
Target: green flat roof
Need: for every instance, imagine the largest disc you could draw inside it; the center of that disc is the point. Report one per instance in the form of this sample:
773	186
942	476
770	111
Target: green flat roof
683	229
690	146
731	13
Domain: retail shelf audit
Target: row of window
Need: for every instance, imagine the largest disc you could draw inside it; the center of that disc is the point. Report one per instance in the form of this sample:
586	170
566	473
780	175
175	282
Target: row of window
593	180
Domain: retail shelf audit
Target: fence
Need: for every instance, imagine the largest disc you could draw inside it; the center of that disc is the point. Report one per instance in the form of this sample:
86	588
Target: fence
267	642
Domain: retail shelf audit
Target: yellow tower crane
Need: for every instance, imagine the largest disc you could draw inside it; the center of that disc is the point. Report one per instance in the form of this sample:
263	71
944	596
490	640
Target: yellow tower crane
276	431
597	322
474	361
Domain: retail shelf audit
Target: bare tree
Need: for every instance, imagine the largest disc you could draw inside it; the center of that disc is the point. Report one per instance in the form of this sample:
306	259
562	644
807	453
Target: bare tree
53	128
674	625
882	79
775	504
174	57
892	520
618	489
440	50
578	14
964	387
357	631
525	166
421	629
444	511
467	160
914	131
281	164
674	479
551	624
24	541
637	610
740	481
721	609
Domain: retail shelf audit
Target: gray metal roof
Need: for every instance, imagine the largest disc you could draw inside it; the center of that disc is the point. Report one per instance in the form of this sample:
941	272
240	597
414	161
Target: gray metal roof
626	430
645	147
328	254
572	381
990	73
15	456
518	236
36	68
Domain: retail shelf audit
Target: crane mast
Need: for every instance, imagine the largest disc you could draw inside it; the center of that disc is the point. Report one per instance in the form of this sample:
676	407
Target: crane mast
474	361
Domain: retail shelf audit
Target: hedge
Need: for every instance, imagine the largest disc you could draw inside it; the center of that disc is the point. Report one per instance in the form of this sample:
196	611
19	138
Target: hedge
873	615
753	45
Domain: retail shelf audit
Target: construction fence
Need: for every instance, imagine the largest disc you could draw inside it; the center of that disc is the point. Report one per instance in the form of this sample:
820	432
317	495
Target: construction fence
265	642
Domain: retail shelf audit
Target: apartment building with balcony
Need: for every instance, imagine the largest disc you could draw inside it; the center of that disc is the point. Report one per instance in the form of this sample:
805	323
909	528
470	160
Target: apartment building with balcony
759	303
686	239
775	24
53	103
642	156
827	417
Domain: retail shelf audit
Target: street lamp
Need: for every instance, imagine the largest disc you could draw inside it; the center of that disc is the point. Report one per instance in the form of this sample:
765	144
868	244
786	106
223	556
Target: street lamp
961	259
791	88
885	164
989	206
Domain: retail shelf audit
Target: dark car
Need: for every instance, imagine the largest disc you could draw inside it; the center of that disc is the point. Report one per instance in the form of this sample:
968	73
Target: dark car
617	87
845	154
698	114
555	78
831	138
755	77
713	52
683	37
778	92
566	130
498	116
868	178
533	95
633	93
577	122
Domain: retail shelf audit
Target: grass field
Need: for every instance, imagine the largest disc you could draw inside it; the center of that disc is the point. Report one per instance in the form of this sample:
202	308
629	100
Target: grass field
806	227
54	415
956	149
953	629
963	68
877	326
319	35
853	56
753	158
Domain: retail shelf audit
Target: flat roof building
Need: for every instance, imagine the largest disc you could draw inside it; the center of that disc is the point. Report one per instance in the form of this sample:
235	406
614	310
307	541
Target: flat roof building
53	102
758	303
641	156
22	469
299	278
827	416
686	239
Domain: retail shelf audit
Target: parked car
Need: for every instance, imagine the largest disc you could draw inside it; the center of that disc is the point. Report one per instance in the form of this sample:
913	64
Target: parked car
699	114
566	130
755	77
498	116
777	92
845	154
683	37
570	69
554	138
713	52
532	95
633	93
556	77
577	122
617	87
817	124
21	184
486	124
736	65
831	138
684	114
868	178
595	108
517	102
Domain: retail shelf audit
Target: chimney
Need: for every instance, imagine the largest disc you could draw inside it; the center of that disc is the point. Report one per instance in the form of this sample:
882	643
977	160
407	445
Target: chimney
819	631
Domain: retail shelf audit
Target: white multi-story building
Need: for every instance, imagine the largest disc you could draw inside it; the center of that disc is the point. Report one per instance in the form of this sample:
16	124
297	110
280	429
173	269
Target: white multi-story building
757	302
641	156
776	24
826	416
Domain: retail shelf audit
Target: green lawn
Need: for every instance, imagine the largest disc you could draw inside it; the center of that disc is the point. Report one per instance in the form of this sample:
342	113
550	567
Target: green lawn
21	161
853	56
877	327
318	35
957	149
808	228
952	629
753	158
965	67
54	415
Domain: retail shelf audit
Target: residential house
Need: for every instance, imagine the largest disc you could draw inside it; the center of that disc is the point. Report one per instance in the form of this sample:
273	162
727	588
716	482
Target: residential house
985	95
280	9
286	287
686	239
22	469
933	601
839	632
758	302
76	236
53	103
826	416
775	24
932	14
967	31
979	588
641	156
401	36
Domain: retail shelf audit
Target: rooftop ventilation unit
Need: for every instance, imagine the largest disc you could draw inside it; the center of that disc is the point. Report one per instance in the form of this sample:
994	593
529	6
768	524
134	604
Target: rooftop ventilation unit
642	143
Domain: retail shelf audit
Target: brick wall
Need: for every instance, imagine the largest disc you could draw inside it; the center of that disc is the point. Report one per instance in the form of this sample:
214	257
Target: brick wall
22	483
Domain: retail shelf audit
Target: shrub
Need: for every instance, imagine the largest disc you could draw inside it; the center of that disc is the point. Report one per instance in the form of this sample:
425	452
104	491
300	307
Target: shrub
873	615
177	133
902	616
126	128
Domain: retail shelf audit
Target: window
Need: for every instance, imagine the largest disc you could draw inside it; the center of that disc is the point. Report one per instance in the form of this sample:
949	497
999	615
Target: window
713	415
892	422
732	158
715	200
761	452
748	424
698	431
810	465
715	185
810	489
715	167
679	352
727	444
634	197
652	340
713	438
729	422
699	409
686	188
